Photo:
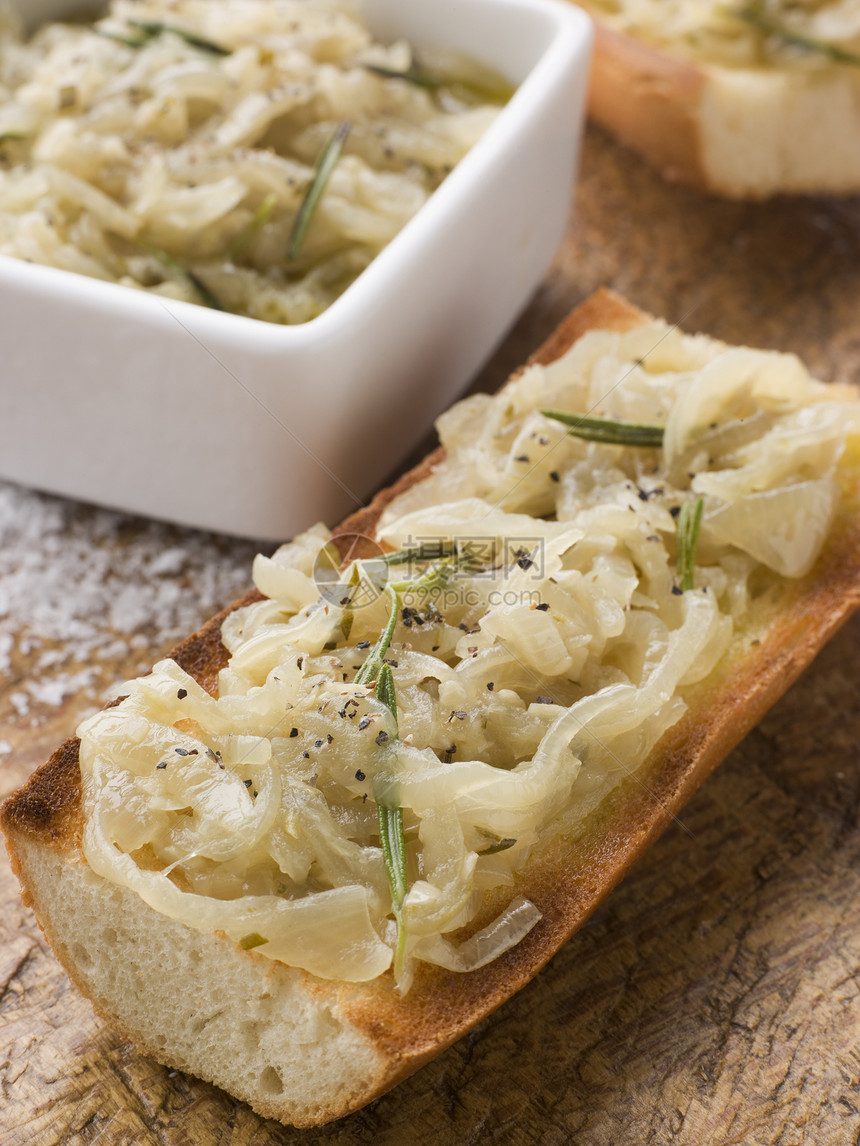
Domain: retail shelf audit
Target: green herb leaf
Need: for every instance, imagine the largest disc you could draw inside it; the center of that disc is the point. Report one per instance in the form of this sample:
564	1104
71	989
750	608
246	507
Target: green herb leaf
211	300
391	829
325	165
755	15
153	28
261	216
610	431
689	522
248	942
385	691
419	553
436	577
413	75
129	42
206	295
394	853
371	668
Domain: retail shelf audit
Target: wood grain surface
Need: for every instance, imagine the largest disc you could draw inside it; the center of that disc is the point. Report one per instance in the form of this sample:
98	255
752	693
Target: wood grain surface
715	997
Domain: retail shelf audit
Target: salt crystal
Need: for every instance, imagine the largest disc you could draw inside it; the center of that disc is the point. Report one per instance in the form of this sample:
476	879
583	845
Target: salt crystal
7	643
55	691
82	588
20	702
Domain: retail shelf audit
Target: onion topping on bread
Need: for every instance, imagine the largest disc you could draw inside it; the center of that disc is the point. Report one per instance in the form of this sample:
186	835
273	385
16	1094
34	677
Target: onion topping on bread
428	745
810	34
749	98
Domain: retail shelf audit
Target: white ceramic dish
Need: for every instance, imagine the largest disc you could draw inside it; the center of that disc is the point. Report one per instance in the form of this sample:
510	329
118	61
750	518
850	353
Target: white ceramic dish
168	409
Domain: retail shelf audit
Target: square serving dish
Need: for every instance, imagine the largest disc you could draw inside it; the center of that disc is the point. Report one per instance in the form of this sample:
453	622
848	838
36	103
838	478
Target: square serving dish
168	409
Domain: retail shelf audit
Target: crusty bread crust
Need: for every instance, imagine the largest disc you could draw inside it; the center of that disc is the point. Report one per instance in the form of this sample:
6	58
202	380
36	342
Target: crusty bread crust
386	1037
650	101
744	133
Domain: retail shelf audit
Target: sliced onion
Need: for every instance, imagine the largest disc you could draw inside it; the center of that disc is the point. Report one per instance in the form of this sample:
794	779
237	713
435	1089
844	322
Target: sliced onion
505	932
330	933
782	528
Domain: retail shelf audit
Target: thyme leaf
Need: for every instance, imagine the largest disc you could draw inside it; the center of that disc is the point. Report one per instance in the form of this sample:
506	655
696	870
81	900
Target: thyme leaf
325	166
689	522
610	431
153	28
755	15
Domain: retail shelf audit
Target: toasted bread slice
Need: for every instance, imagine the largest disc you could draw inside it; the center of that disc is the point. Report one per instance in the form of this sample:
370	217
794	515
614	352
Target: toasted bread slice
306	1050
741	132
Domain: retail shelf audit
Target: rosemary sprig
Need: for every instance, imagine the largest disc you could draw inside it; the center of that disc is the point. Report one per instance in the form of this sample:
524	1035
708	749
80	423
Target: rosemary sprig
128	41
754	15
390	815
610	431
391	834
394	854
689	522
385	691
445	561
432	552
261	216
153	28
436	577
412	75
206	295
325	166
373	665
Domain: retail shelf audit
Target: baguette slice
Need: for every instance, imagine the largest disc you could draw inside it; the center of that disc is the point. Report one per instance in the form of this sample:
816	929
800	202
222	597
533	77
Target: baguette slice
303	1050
745	133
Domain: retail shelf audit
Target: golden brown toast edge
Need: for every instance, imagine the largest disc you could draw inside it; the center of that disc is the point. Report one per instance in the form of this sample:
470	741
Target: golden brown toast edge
569	877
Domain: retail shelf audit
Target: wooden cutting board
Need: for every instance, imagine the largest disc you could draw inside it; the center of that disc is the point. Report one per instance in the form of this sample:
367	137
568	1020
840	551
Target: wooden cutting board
715	998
